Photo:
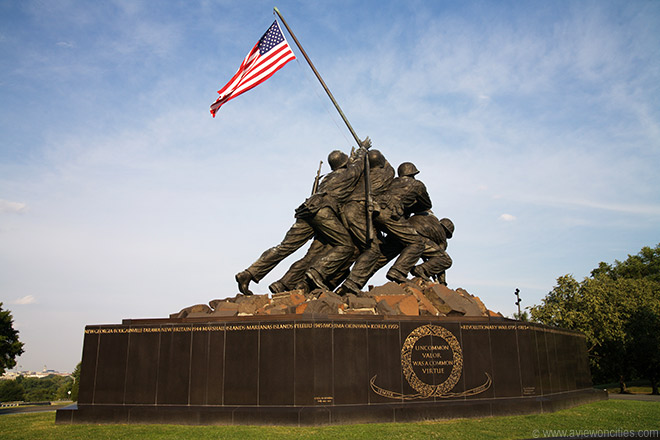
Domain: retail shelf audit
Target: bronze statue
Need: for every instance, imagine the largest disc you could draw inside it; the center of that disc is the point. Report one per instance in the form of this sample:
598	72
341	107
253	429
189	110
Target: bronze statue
342	253
434	233
294	278
354	218
353	212
318	215
405	195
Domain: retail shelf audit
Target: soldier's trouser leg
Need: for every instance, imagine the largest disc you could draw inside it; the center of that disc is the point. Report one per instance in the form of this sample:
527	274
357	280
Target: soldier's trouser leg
354	218
355	215
437	260
363	268
413	243
296	272
298	235
327	224
370	261
338	277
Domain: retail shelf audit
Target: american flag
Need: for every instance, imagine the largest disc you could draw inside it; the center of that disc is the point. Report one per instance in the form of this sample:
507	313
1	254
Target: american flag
268	56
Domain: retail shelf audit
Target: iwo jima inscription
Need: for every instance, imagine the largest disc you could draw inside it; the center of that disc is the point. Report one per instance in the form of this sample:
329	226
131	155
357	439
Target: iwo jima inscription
320	349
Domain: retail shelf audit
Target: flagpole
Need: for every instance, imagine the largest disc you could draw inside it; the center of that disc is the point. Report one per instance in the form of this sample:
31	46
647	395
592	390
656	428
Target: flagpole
367	182
332	98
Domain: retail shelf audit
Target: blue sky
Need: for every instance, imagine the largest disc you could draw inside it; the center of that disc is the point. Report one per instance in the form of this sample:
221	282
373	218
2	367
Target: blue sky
536	127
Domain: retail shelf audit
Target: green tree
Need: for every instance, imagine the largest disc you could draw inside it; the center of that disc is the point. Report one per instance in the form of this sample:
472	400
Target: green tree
646	264
11	391
10	346
643	342
522	316
618	310
76	382
64	384
48	388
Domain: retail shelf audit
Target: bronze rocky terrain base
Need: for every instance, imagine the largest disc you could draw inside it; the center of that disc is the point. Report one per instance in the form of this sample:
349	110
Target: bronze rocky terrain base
413	298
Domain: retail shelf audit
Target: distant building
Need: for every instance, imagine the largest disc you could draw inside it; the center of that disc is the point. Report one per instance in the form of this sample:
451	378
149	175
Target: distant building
10	375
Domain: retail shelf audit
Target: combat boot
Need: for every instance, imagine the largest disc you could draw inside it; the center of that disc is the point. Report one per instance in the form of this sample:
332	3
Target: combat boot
396	276
243	279
277	287
419	271
348	287
316	279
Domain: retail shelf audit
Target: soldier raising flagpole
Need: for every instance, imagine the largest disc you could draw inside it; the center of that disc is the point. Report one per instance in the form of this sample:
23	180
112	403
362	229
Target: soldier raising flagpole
321	216
365	143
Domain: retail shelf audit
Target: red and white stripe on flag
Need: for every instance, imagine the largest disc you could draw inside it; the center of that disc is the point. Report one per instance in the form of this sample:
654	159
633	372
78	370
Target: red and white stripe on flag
268	56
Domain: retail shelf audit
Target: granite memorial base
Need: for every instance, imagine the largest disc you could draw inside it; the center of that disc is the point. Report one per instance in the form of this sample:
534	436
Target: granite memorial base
284	370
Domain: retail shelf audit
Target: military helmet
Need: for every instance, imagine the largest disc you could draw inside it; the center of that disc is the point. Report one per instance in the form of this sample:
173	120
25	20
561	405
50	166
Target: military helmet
448	225
337	159
407	169
376	159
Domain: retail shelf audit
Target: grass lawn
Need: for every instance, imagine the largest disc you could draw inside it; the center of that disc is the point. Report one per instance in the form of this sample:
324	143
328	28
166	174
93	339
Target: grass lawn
604	415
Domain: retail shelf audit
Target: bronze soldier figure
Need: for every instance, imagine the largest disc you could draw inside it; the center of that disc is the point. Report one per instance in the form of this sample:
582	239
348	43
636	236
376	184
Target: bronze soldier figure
353	212
318	215
405	196
435	234
294	278
354	218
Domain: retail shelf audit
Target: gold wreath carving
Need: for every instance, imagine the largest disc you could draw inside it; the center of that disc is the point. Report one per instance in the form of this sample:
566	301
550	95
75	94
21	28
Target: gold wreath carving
423	389
406	361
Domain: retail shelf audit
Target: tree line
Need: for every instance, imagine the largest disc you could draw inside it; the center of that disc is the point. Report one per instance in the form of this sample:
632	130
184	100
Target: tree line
40	389
618	309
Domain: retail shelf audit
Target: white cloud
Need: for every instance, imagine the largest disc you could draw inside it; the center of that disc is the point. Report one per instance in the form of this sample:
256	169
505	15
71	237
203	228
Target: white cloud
29	299
642	209
507	218
12	207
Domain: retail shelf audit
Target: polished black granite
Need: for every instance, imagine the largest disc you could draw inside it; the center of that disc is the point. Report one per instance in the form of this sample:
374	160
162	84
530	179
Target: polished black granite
326	370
